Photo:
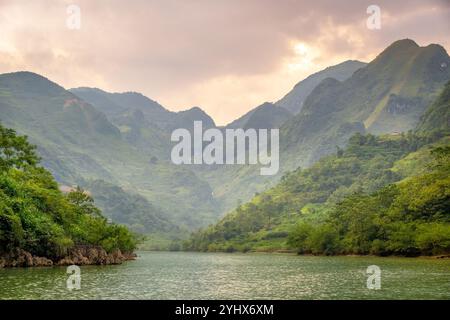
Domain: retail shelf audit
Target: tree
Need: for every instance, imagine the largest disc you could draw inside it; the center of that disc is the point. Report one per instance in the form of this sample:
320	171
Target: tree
84	201
15	151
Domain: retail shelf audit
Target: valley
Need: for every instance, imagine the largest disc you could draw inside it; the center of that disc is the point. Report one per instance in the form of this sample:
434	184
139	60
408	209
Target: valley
117	145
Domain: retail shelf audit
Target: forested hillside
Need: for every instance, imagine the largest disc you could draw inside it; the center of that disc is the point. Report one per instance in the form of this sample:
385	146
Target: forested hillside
39	225
380	195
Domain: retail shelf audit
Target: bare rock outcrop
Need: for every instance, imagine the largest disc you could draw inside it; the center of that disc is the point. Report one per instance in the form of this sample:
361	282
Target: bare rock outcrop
79	255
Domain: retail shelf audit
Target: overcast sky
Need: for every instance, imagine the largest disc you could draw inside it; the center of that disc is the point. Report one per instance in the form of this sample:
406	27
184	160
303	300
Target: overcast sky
226	56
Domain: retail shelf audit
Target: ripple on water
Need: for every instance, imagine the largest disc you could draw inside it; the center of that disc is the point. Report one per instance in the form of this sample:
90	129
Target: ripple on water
168	275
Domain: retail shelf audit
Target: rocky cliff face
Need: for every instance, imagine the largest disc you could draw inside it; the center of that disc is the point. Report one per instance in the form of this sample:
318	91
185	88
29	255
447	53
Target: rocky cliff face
80	255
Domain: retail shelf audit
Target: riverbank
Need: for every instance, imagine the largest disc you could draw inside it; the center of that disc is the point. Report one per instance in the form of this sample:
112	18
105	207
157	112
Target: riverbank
80	255
295	253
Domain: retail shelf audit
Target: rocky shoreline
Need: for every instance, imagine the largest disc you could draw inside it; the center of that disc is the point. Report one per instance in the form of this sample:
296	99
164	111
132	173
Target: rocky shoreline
80	255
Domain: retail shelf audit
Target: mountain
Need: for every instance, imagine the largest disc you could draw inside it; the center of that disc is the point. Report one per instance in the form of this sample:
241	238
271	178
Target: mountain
387	96
119	106
265	116
78	143
186	118
380	195
123	139
293	101
143	122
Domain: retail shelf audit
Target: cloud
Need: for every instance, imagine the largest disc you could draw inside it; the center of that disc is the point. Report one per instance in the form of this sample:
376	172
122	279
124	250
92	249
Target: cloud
226	56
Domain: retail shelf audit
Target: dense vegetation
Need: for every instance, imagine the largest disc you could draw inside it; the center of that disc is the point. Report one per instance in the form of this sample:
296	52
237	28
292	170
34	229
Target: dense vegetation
408	218
37	217
383	195
117	145
359	201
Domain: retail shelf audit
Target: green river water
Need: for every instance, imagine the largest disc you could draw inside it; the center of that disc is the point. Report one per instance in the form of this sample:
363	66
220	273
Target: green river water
182	275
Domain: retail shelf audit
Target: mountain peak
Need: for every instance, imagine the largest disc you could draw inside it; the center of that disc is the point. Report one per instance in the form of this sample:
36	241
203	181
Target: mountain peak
196	109
29	81
293	101
25	74
186	117
403	43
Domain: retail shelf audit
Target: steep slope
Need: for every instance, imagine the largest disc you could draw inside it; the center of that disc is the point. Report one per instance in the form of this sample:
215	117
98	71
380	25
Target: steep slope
129	209
355	202
186	118
78	144
381	195
265	116
293	101
143	122
388	95
336	110
437	116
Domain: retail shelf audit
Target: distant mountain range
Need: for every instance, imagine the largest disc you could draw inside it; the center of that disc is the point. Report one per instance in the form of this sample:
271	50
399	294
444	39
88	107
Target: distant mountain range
119	143
380	195
80	145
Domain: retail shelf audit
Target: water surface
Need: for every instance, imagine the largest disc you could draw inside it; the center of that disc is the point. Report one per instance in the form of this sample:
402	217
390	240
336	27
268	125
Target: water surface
182	275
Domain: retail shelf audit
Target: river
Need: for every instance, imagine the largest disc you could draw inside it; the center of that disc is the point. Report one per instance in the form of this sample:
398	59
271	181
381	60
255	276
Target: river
183	275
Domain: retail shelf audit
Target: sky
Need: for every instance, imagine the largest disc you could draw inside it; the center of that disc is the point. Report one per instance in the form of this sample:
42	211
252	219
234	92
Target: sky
225	56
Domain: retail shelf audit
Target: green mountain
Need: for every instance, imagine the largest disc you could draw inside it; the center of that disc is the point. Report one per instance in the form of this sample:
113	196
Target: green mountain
387	96
88	135
381	195
117	106
293	101
376	197
144	123
78	144
390	93
265	116
437	116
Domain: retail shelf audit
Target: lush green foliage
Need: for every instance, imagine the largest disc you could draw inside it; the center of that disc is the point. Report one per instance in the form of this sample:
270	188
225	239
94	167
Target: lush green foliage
408	218
437	116
381	195
15	150
348	203
37	217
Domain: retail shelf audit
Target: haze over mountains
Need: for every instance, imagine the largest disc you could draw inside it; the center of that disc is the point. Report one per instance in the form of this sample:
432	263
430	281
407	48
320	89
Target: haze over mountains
118	144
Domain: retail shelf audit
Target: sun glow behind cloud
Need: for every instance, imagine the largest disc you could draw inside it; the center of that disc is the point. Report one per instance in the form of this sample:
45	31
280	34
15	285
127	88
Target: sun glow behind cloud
303	59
